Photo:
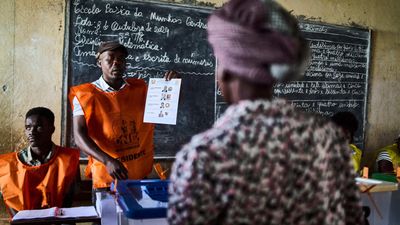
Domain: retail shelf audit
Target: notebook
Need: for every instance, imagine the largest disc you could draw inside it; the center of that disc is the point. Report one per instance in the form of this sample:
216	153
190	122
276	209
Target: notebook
55	212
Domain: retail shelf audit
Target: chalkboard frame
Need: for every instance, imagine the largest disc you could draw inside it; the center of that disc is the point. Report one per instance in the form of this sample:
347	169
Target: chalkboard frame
368	32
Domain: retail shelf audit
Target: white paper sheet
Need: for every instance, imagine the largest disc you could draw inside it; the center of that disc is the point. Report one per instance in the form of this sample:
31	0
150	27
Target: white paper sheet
74	212
162	101
36	213
82	211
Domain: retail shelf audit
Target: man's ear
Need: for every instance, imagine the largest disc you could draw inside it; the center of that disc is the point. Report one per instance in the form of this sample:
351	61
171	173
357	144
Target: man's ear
98	63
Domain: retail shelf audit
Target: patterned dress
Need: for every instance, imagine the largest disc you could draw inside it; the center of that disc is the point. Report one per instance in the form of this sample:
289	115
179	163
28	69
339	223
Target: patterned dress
264	162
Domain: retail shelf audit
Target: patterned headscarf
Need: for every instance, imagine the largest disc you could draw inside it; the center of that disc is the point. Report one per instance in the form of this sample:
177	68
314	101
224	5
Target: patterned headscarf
258	40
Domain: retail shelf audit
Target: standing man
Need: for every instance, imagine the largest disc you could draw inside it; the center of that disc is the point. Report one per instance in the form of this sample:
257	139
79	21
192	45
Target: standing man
108	120
41	175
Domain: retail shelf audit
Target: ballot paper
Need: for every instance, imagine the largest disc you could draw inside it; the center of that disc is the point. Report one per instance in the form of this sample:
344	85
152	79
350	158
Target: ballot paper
162	101
55	212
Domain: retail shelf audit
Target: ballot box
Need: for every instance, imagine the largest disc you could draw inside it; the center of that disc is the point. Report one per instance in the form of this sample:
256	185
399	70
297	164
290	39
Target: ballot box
380	201
142	202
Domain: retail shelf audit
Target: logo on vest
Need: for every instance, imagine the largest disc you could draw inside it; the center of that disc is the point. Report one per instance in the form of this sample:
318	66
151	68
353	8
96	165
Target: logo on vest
130	157
126	134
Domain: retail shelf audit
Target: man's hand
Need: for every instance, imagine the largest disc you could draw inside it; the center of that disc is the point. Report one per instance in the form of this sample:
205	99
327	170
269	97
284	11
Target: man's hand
116	169
170	74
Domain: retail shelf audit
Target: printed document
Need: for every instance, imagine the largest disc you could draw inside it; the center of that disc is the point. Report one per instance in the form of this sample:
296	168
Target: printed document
162	101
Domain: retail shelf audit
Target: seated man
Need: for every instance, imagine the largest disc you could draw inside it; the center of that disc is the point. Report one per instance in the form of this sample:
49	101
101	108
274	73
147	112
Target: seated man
41	175
349	124
388	158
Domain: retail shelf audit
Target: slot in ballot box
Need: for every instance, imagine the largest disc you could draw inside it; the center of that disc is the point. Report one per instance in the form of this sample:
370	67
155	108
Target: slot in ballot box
142	201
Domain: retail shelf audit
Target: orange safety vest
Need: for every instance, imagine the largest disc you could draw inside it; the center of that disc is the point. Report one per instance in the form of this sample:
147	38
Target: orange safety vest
33	187
115	123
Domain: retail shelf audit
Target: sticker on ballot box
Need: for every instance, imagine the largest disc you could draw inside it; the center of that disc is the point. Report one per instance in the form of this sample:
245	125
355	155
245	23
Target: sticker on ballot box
143	199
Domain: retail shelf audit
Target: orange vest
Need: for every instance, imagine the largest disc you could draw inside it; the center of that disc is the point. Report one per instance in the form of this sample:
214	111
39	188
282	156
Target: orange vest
33	187
115	123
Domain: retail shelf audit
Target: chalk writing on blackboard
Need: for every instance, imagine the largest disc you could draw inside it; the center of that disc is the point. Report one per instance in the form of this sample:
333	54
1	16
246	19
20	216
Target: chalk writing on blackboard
161	36
337	77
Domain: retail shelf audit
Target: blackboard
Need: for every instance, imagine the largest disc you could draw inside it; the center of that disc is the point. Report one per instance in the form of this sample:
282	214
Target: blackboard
337	77
159	37
163	36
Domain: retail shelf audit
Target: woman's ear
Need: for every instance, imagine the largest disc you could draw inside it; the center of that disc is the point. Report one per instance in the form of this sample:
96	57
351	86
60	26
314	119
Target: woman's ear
223	75
224	79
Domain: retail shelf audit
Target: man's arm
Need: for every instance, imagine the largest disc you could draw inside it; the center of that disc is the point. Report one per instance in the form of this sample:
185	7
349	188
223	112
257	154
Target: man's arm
114	167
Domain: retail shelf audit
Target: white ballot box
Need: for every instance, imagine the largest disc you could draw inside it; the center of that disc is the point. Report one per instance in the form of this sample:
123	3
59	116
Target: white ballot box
380	201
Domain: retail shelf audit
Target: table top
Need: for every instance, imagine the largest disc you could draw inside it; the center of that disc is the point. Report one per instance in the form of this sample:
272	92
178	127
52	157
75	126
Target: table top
45	221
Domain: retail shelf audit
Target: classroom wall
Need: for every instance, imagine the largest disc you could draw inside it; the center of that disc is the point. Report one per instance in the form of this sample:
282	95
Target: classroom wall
383	110
31	63
383	120
6	71
31	60
32	35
